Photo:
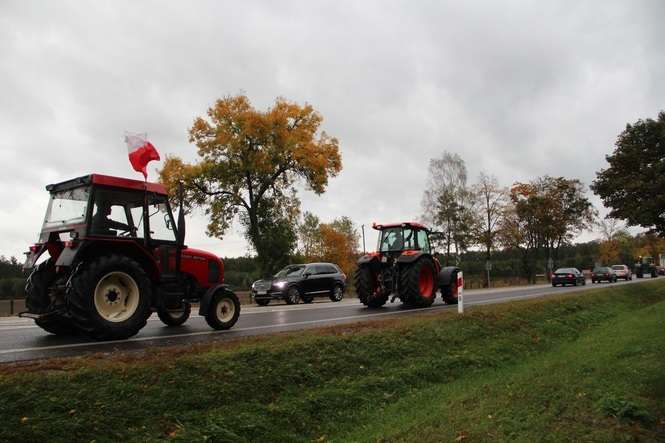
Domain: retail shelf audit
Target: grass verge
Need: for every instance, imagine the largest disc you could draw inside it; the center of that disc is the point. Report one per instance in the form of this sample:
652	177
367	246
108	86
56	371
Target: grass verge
587	367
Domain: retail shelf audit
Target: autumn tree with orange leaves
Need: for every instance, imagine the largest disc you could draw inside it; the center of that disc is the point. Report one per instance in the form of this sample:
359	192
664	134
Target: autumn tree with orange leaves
544	215
249	162
334	242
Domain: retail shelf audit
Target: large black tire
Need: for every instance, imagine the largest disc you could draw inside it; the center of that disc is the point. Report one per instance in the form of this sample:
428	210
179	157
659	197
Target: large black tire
57	324
366	288
262	301
175	318
38	301
98	291
292	296
418	283
337	293
36	287
223	311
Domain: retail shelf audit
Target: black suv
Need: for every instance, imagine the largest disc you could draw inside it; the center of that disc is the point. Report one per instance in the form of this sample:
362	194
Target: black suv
301	282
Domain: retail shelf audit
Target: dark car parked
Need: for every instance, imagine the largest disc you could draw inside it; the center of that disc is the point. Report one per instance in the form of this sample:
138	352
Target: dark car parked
603	273
568	276
301	282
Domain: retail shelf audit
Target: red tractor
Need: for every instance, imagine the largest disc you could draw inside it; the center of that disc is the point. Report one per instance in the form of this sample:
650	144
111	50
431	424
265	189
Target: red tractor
115	256
403	265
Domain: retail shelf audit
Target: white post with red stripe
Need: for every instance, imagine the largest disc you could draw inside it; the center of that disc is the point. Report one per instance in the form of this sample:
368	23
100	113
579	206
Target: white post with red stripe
460	292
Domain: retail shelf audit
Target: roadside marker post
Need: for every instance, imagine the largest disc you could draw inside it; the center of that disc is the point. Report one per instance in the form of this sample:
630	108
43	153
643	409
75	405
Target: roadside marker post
460	292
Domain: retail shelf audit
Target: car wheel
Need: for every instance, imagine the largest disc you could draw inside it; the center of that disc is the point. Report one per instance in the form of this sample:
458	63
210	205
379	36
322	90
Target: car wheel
337	294
292	296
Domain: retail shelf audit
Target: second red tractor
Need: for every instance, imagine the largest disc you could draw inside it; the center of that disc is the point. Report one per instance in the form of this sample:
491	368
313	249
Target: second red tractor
404	266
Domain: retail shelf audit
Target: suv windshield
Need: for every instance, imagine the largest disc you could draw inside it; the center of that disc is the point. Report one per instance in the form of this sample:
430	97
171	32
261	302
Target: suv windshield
601	270
67	207
290	271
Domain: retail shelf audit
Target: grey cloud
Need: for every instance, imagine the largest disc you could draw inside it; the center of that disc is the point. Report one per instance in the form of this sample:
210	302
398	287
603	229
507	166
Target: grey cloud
517	88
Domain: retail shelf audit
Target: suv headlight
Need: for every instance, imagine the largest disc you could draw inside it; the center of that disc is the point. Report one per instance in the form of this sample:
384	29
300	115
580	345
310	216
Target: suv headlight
280	284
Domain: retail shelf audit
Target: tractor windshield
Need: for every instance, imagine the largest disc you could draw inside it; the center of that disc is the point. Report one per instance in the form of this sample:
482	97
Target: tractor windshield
67	208
396	239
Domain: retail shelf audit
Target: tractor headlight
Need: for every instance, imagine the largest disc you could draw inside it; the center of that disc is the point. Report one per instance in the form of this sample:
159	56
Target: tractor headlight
280	284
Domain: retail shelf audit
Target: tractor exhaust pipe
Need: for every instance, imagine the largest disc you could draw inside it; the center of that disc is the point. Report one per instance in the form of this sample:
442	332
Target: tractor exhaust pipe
180	243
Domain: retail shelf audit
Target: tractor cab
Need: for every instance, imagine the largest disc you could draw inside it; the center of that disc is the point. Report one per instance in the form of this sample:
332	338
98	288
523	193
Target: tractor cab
105	209
115	253
396	239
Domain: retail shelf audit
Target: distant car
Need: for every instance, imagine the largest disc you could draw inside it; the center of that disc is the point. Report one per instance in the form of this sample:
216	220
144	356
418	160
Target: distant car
661	270
301	282
603	273
622	272
568	276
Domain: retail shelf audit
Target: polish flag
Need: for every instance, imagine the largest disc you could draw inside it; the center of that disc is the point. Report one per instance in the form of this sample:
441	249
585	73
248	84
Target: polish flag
141	151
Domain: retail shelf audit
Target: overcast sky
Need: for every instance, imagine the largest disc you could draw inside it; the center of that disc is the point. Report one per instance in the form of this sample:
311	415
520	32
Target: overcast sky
518	89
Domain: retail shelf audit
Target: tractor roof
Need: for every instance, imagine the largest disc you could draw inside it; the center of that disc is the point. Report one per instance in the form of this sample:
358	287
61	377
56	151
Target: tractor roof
415	225
107	180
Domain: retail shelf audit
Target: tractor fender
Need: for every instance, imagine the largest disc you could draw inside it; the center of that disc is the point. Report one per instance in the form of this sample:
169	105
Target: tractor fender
367	258
447	275
67	257
411	256
204	305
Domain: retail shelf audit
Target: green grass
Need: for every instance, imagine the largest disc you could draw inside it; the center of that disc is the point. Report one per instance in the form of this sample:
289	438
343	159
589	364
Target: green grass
587	367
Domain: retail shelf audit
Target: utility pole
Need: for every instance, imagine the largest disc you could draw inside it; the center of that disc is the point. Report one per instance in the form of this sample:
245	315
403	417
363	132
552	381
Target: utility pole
363	229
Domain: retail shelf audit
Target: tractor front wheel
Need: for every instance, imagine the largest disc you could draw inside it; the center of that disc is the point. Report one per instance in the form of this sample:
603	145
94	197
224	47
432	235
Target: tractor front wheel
109	298
223	311
175	317
418	283
368	288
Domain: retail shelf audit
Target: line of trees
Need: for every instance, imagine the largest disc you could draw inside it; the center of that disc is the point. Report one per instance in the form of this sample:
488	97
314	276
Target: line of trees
535	218
12	281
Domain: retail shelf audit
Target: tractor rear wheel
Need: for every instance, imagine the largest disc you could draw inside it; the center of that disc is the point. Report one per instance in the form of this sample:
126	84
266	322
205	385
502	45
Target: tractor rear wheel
418	283
57	324
175	317
223	311
368	289
109	298
38	301
36	288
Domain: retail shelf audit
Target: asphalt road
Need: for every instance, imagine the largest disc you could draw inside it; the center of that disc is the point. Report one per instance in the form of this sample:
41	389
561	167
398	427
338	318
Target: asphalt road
21	339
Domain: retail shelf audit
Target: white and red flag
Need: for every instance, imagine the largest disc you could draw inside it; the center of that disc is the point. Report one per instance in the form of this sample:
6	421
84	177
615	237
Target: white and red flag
141	151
